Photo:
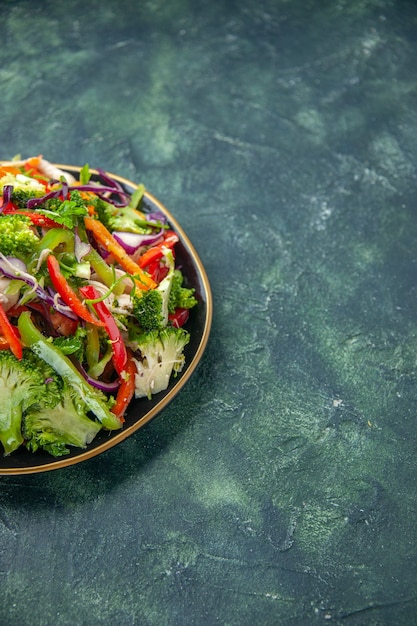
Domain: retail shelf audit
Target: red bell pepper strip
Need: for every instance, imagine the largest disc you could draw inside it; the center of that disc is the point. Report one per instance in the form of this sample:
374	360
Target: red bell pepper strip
4	344
37	219
117	343
10	334
157	252
67	293
126	390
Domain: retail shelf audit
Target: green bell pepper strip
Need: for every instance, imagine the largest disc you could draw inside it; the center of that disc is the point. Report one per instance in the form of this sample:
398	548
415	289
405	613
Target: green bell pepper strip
54	237
92	346
96	363
103	271
33	338
113	331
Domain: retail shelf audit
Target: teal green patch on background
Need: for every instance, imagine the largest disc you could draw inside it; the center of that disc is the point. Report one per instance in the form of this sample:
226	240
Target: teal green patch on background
279	486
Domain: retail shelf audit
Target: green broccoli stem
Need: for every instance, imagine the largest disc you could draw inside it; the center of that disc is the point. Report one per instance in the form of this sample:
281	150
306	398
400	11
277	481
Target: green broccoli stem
11	433
49	353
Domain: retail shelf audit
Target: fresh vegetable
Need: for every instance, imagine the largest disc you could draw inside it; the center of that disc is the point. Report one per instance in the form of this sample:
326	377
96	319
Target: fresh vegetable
126	390
92	305
125	219
4	344
113	331
8	331
66	292
39	410
180	297
36	219
65	424
179	317
165	285
63	366
24	383
157	252
21	194
148	309
161	354
19	188
106	239
17	237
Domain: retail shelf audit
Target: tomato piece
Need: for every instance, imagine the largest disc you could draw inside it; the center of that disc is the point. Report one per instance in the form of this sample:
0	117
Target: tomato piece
179	317
16	310
157	270
62	324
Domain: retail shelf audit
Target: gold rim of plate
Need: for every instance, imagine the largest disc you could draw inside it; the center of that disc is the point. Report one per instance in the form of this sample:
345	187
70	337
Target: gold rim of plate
194	359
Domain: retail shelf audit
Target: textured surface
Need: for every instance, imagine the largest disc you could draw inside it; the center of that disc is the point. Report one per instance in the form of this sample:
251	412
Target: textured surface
279	486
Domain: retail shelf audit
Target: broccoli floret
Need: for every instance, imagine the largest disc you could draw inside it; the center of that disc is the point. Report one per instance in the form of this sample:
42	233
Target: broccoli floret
44	349
147	309
151	308
20	197
16	236
39	409
161	356
66	212
24	188
66	424
24	383
73	344
104	210
180	297
127	218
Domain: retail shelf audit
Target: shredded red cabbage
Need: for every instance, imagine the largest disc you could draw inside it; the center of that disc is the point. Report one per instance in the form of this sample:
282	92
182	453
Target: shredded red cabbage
158	218
35	202
99	190
109	181
12	267
132	241
7	196
102	192
109	387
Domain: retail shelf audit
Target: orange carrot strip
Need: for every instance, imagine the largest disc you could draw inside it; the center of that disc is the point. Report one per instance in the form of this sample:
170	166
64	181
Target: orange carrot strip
106	239
8	169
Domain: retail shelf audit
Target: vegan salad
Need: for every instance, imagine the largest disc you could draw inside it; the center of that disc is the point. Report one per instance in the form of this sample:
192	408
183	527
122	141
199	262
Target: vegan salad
92	305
